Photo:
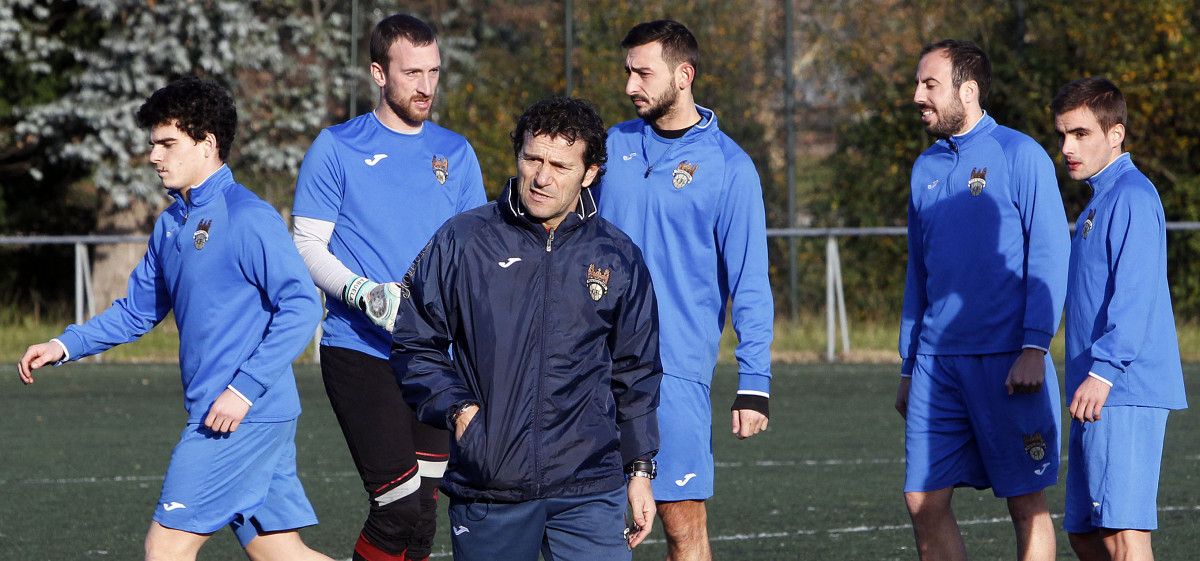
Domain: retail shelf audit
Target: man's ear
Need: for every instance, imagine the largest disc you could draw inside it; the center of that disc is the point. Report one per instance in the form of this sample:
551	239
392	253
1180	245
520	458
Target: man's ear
684	75
1116	135
968	92
378	75
590	175
211	147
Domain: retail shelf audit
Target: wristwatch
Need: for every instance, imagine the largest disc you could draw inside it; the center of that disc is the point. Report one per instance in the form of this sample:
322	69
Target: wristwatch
642	468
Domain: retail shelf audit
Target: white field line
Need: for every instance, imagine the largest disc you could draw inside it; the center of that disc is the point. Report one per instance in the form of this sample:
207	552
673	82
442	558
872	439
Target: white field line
345	474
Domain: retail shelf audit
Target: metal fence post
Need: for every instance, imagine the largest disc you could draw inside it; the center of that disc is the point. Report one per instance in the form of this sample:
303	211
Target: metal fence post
80	255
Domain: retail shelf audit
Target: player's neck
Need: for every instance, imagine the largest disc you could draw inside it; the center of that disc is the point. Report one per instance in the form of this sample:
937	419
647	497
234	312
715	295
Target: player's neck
682	115
973	118
394	122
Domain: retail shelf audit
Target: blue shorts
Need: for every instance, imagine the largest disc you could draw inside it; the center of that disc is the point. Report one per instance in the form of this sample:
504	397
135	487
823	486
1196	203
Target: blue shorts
685	453
964	430
1112	470
245	480
583	528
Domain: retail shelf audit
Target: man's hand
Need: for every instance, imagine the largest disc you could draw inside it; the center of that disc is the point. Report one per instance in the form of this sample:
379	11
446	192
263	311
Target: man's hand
641	502
37	356
1089	400
1028	373
463	419
902	395
379	301
748	422
226	412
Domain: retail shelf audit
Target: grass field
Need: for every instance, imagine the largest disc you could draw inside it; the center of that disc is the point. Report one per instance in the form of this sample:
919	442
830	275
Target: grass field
83	452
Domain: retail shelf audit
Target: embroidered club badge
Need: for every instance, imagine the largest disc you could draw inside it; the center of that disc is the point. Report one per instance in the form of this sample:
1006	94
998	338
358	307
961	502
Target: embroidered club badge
441	169
978	181
683	174
597	282
200	236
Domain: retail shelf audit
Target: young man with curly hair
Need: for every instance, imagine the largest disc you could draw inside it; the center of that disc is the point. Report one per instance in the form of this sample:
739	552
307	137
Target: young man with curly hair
219	258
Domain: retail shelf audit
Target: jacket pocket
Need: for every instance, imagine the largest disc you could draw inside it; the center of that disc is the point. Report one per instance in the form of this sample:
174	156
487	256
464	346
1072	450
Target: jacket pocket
470	454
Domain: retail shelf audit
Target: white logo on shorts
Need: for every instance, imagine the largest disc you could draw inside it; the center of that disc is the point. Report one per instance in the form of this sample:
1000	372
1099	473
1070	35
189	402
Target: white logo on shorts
460	530
684	481
1042	469
173	505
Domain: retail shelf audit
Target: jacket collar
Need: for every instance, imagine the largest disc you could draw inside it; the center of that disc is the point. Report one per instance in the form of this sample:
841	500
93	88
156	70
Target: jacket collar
982	128
708	122
208	189
510	205
1108	176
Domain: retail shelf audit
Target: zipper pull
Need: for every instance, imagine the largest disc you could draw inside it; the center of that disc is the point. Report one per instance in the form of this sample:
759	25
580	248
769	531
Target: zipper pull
549	241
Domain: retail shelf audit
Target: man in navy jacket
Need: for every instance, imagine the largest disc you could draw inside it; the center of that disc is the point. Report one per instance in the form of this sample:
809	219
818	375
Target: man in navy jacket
528	327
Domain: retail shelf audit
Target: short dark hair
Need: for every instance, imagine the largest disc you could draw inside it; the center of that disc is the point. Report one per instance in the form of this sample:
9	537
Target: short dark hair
564	117
967	62
678	44
394	28
1099	95
197	107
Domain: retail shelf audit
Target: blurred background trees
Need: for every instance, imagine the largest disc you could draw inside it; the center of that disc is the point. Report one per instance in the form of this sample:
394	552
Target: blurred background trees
73	73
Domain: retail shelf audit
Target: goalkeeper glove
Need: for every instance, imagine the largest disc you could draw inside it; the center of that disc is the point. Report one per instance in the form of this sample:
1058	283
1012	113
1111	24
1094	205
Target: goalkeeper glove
379	301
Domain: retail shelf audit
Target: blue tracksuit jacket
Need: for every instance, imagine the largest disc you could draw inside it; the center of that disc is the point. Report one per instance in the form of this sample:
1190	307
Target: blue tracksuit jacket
554	335
694	206
987	247
244	303
386	193
1119	320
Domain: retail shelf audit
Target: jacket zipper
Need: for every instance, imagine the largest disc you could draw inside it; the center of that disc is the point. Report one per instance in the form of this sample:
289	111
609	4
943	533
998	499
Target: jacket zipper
537	411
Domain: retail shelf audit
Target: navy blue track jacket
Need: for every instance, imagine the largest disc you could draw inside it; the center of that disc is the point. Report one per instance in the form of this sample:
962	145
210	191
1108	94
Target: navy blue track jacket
553	334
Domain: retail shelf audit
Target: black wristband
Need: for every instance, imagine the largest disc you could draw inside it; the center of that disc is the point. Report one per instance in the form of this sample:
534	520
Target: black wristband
752	402
642	468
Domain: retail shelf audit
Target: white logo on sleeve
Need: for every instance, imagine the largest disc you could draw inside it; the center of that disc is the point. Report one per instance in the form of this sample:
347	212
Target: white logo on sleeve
374	159
460	530
934	184
629	156
1042	469
684	481
508	262
173	505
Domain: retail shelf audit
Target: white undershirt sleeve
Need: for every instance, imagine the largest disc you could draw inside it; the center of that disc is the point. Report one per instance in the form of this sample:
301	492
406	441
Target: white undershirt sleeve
312	240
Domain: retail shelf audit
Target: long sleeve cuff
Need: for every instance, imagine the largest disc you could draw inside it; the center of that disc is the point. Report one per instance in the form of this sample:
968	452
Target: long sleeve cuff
66	352
1105	371
639	437
906	367
1043	349
71	342
247	387
1101	378
1037	338
754	384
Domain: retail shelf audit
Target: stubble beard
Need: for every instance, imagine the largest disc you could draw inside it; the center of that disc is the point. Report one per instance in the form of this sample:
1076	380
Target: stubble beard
405	111
660	106
949	121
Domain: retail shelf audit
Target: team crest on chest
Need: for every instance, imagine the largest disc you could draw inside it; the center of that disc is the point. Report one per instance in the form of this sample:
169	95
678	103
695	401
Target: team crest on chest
1089	223
200	236
597	282
441	169
1035	446
978	181
683	174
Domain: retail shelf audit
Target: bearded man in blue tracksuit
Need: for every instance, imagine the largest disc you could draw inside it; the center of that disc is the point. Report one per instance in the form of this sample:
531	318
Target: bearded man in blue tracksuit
221	260
988	247
529	329
370	193
691	199
1123	368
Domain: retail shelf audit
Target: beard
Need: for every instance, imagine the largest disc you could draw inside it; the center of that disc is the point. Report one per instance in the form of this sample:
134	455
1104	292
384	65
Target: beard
949	120
659	106
405	108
